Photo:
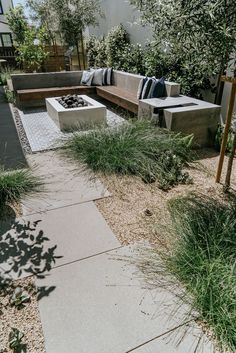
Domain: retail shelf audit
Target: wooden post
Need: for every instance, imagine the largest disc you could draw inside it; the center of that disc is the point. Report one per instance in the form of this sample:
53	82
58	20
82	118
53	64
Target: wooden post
230	164
227	126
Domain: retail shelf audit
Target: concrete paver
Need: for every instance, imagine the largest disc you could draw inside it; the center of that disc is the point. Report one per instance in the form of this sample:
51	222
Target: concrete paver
65	184
42	132
100	305
187	339
79	231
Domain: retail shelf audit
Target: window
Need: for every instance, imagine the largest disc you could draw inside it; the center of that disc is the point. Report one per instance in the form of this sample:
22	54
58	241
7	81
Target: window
5	40
1	8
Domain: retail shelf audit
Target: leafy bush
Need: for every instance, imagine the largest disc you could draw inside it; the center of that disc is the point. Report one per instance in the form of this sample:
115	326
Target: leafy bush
10	96
115	51
117	39
220	133
204	260
16	184
135	149
15	341
5	74
92	50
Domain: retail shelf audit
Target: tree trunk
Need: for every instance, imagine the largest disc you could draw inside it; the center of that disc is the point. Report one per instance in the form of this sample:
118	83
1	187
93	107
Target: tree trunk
230	165
220	86
82	44
77	49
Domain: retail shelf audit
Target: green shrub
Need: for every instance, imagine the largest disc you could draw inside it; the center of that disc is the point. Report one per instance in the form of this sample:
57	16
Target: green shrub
219	137
92	50
135	149
10	96
117	39
5	74
16	184
204	259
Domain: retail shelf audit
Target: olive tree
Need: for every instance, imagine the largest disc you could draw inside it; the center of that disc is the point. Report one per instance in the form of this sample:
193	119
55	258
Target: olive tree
192	39
29	40
74	16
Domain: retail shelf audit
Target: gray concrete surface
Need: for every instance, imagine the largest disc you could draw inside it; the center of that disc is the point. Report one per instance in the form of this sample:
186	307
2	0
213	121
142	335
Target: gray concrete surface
66	183
11	154
101	305
184	114
45	80
86	117
187	339
43	134
79	231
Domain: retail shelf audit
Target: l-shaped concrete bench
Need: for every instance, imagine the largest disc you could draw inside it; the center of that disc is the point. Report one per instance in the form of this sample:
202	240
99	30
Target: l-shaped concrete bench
180	113
32	89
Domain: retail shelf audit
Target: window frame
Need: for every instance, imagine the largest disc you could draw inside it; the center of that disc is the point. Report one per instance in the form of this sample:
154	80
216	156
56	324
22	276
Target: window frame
1	8
1	40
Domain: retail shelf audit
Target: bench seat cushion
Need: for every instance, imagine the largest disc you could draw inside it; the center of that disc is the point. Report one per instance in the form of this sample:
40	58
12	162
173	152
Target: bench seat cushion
42	93
123	98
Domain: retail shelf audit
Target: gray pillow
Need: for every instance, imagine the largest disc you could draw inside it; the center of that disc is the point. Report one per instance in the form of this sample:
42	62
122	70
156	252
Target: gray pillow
104	79
153	85
109	76
98	77
140	87
87	78
146	88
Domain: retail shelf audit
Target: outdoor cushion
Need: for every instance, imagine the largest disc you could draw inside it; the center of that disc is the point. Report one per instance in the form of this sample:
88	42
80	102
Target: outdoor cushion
109	76
153	85
140	87
97	77
146	88
159	89
104	78
87	78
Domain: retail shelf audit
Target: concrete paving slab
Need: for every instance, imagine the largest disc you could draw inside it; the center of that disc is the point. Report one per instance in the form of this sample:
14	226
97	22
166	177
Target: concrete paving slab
11	154
187	339
66	183
100	305
78	231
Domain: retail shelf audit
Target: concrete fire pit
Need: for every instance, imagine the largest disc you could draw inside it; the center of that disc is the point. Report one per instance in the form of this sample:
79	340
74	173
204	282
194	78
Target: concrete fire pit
75	118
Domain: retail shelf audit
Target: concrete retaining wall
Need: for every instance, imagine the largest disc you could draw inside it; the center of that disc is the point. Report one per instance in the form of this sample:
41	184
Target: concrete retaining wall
46	80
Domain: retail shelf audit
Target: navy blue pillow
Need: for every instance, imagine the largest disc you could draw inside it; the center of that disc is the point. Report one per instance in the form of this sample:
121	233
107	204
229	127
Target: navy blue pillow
159	90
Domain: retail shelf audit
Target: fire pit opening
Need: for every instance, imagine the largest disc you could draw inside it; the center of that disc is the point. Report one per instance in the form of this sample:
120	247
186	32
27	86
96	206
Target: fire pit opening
72	101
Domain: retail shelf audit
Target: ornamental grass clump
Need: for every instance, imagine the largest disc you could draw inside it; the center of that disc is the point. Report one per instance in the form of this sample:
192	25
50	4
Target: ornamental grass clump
138	148
16	184
204	259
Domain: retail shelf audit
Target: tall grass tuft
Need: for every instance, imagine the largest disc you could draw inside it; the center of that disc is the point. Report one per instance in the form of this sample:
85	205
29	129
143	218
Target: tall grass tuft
135	149
16	184
204	259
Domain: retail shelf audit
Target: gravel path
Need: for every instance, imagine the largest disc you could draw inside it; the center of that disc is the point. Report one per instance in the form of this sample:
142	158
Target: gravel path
139	211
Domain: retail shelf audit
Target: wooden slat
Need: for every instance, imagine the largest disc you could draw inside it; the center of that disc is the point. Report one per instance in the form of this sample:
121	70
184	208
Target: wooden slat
42	93
122	98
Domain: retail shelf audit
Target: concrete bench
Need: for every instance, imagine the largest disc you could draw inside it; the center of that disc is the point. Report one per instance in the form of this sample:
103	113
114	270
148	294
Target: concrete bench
184	114
33	89
124	90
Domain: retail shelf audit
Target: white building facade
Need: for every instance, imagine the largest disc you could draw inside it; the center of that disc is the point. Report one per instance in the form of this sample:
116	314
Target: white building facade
121	12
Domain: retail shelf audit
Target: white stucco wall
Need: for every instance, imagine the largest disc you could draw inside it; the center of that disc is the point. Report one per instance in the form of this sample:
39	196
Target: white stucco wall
6	4
117	12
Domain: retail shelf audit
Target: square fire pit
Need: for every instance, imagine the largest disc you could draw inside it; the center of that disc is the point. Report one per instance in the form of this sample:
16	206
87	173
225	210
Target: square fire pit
93	113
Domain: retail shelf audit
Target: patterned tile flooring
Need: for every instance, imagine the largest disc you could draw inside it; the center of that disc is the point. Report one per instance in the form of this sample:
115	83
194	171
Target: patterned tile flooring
43	134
